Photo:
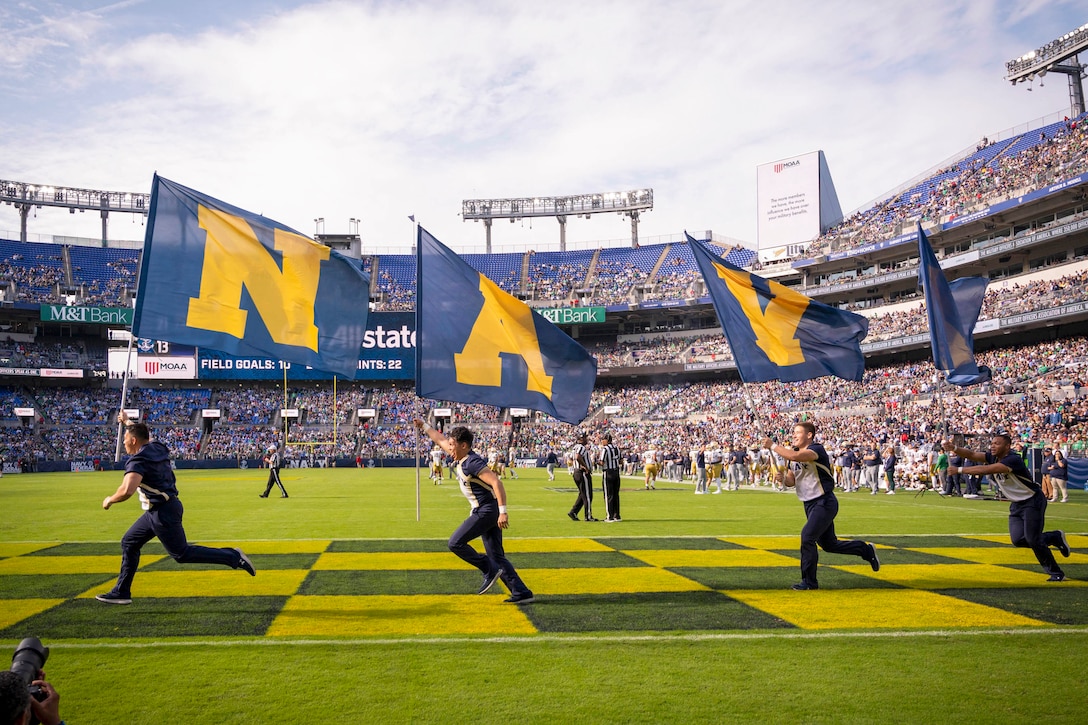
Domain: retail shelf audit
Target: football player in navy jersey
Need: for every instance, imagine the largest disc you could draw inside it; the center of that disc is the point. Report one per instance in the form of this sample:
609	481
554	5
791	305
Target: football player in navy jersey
1027	504
808	472
487	498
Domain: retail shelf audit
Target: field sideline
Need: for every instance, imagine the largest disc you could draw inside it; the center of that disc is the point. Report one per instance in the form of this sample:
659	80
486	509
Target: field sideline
680	613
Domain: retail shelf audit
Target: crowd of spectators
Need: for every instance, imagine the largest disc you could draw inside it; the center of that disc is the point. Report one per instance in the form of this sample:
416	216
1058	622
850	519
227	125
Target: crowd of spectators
1037	391
1022	164
44	352
248	405
78	405
34	282
169	405
112	291
556	282
240	441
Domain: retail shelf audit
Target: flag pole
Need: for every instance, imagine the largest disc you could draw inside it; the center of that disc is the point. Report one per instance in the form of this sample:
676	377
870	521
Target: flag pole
419	441
124	395
419	433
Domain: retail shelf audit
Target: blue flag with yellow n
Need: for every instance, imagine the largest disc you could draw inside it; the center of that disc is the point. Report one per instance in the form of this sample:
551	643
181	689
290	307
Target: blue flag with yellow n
952	309
478	344
216	276
777	333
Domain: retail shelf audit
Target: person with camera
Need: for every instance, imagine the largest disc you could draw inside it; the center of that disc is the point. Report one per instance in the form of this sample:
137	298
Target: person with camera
149	474
17	707
1027	503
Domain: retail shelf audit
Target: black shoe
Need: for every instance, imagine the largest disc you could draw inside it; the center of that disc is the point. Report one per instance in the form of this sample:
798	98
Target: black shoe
489	581
1059	577
573	516
525	598
1063	544
245	563
804	587
284	496
113	598
592	519
873	560
262	495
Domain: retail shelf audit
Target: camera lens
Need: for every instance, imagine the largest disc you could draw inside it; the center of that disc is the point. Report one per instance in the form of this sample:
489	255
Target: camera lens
29	658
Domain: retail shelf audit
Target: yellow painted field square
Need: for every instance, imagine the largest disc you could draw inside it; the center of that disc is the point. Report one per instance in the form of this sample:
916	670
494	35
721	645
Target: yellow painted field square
877	609
68	564
673	558
383	616
272	582
612	580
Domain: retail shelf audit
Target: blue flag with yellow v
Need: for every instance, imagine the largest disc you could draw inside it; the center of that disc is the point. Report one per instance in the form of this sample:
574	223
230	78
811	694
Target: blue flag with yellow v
952	309
777	333
219	277
478	344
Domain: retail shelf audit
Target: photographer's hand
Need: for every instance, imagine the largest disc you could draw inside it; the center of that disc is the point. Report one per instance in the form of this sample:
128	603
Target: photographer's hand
48	710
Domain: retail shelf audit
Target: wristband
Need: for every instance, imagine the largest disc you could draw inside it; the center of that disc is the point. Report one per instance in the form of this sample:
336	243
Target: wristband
427	427
502	509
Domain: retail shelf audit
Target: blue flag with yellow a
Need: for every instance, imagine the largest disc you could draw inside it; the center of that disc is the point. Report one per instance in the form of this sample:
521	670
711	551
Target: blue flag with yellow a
216	276
952	309
476	343
777	333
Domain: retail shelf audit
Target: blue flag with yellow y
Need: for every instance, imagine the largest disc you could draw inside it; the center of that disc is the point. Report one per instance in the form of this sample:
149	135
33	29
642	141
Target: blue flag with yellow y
216	276
478	344
952	309
777	333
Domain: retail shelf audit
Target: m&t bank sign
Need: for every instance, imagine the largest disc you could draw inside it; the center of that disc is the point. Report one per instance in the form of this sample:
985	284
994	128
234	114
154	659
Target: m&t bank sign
87	315
573	315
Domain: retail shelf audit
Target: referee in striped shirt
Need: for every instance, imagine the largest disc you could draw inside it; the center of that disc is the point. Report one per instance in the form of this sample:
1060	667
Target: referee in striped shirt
610	461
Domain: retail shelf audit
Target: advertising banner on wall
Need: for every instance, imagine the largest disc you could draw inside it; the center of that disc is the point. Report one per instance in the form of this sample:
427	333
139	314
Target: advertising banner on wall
388	352
88	315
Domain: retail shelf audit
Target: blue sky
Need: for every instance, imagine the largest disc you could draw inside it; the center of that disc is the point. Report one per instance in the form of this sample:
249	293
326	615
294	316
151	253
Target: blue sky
378	110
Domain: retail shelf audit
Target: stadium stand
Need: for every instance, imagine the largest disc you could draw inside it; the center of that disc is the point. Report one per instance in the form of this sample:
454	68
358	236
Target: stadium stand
1037	389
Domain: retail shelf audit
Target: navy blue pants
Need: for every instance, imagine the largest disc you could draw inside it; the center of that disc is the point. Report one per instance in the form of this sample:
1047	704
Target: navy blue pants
164	521
1026	521
820	529
483	524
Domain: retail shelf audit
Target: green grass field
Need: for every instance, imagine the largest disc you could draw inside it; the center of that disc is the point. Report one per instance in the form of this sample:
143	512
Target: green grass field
680	613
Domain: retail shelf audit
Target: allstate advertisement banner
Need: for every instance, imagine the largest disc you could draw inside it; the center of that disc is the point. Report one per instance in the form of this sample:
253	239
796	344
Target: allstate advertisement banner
388	352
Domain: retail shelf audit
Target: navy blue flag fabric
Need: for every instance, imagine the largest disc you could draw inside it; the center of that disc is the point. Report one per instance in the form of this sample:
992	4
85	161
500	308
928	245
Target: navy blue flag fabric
478	344
776	333
219	277
952	309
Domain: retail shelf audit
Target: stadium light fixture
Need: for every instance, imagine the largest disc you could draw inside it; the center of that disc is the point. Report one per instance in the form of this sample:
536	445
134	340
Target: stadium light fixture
1058	56
24	196
629	203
